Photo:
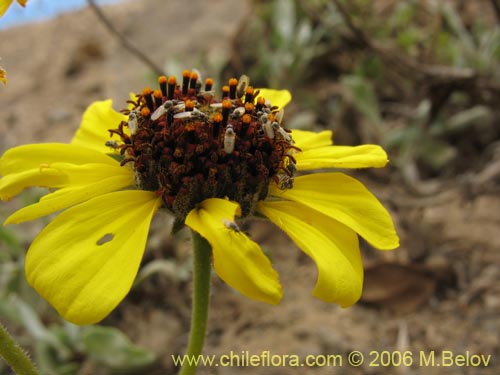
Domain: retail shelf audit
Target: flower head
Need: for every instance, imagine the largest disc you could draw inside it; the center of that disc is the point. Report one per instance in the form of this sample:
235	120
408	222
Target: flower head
207	162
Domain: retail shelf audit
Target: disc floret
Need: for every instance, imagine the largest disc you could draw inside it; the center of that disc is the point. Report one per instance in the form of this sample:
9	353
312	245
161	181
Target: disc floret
188	146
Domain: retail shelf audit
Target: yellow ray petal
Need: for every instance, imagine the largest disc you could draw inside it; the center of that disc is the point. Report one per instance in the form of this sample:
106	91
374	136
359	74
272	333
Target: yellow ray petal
306	140
13	184
4	5
85	260
365	156
333	247
279	98
34	156
84	183
347	200
237	260
3	75
97	119
36	165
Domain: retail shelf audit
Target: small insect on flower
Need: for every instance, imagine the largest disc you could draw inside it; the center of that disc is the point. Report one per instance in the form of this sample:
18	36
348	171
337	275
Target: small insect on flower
132	123
276	127
195	114
161	110
284	181
242	86
237	113
278	116
229	139
267	126
231	225
113	144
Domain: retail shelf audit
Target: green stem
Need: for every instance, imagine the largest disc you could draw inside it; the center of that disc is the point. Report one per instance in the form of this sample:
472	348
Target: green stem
15	357
201	297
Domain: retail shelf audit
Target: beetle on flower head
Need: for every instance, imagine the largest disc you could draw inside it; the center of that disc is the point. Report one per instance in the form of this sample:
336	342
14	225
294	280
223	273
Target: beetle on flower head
206	161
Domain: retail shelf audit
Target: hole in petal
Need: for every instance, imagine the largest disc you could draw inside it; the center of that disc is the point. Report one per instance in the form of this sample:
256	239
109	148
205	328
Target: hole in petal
104	239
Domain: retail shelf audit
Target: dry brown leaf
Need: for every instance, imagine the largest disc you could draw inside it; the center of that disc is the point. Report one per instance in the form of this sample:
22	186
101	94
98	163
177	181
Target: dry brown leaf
398	287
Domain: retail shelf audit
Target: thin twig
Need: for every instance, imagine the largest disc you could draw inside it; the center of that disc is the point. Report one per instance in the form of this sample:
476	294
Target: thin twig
405	63
358	33
496	7
124	41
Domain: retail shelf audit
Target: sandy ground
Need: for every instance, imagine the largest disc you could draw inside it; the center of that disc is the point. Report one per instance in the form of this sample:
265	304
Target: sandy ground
438	292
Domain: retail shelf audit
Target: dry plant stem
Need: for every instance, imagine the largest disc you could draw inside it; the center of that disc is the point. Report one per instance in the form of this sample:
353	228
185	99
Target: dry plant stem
438	73
15	357
496	7
124	41
201	299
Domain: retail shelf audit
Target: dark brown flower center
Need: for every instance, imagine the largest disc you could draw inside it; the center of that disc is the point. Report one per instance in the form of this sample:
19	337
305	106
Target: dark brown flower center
187	146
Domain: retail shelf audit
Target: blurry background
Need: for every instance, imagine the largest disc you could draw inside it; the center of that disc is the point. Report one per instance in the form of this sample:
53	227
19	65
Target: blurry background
421	78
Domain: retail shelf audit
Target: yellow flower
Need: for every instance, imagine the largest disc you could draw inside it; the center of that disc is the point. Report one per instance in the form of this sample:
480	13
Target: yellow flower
5	4
207	162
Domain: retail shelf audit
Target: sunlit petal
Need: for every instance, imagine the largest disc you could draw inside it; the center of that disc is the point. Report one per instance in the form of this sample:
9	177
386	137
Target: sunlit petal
85	260
37	166
26	157
11	185
237	260
306	140
365	156
333	247
279	98
4	5
97	119
347	200
83	183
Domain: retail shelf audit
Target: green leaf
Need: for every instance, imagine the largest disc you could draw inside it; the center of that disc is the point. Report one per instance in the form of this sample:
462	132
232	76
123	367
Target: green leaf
284	21
9	238
365	98
437	154
31	321
109	347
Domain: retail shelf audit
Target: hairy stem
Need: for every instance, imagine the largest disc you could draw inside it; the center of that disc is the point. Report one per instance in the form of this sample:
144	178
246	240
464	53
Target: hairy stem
15	357
201	299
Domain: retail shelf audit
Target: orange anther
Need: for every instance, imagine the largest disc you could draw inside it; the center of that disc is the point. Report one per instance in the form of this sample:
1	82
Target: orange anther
246	118
217	117
249	107
189	105
227	104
